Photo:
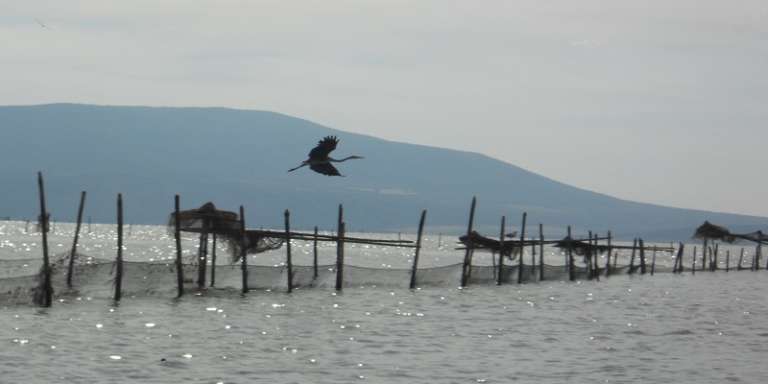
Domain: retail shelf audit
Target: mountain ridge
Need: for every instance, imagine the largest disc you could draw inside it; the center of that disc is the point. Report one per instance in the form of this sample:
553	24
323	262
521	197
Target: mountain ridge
237	156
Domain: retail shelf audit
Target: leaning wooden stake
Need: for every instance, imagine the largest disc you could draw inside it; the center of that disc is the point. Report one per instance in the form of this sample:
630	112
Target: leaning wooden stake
741	258
632	258
73	252
46	297
653	261
415	266
467	266
679	260
288	260
499	275
340	250
314	256
177	237
243	252
642	257
119	261
541	252
522	250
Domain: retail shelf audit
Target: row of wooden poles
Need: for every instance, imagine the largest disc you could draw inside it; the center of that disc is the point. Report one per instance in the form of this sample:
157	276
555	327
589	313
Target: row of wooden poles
709	259
340	239
591	258
44	298
287	235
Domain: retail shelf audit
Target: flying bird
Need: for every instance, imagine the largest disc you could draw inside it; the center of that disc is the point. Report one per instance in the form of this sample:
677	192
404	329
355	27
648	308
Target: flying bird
40	23
320	162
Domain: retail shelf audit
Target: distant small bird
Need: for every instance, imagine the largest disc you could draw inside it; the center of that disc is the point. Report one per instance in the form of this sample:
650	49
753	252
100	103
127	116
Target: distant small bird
320	162
41	23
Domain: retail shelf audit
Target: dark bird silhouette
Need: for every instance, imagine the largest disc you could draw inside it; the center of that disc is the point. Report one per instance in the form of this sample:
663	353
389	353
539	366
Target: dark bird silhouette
320	162
40	23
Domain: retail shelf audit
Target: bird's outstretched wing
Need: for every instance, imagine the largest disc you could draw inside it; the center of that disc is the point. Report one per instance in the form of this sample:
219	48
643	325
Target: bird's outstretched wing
326	169
324	147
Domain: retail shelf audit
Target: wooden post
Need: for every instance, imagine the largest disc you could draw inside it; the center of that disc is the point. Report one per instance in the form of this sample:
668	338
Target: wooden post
73	252
46	297
177	237
499	278
541	252
213	261
693	265
758	254
522	250
727	260
314	255
704	255
608	257
653	261
119	261
642	257
533	259
415	266
440	240
713	258
288	260
596	256
632	258
766	264
571	271
741	258
589	256
202	256
467	265
679	261
340	250
243	252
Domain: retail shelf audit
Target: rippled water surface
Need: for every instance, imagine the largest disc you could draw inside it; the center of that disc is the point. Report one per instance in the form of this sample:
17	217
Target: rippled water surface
707	328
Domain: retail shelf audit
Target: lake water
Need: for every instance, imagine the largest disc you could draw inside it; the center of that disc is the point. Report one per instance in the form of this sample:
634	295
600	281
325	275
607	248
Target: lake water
707	328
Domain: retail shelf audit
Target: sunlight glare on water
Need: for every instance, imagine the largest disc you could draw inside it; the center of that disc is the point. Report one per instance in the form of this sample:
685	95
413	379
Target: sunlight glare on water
708	328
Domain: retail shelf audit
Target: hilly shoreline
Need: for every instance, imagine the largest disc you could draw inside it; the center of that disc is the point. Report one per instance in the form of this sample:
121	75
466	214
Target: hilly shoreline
234	157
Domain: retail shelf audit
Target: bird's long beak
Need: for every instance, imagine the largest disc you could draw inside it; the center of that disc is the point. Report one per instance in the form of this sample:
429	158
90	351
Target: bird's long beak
293	169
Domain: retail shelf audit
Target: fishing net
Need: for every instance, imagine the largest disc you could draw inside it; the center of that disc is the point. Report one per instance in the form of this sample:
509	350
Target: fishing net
96	277
713	232
149	269
206	219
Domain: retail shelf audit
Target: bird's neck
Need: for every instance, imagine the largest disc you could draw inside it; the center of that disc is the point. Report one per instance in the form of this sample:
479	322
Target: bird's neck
344	159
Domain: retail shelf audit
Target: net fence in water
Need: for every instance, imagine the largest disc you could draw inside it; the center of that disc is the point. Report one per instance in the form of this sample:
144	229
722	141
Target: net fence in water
149	269
94	278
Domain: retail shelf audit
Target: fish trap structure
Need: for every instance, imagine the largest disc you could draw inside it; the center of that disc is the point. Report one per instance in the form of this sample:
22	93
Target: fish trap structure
200	271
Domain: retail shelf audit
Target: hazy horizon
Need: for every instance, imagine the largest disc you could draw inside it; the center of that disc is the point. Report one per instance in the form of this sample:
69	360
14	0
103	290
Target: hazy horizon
659	102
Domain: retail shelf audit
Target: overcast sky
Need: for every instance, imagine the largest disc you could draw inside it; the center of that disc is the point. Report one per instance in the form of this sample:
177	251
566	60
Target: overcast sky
660	101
